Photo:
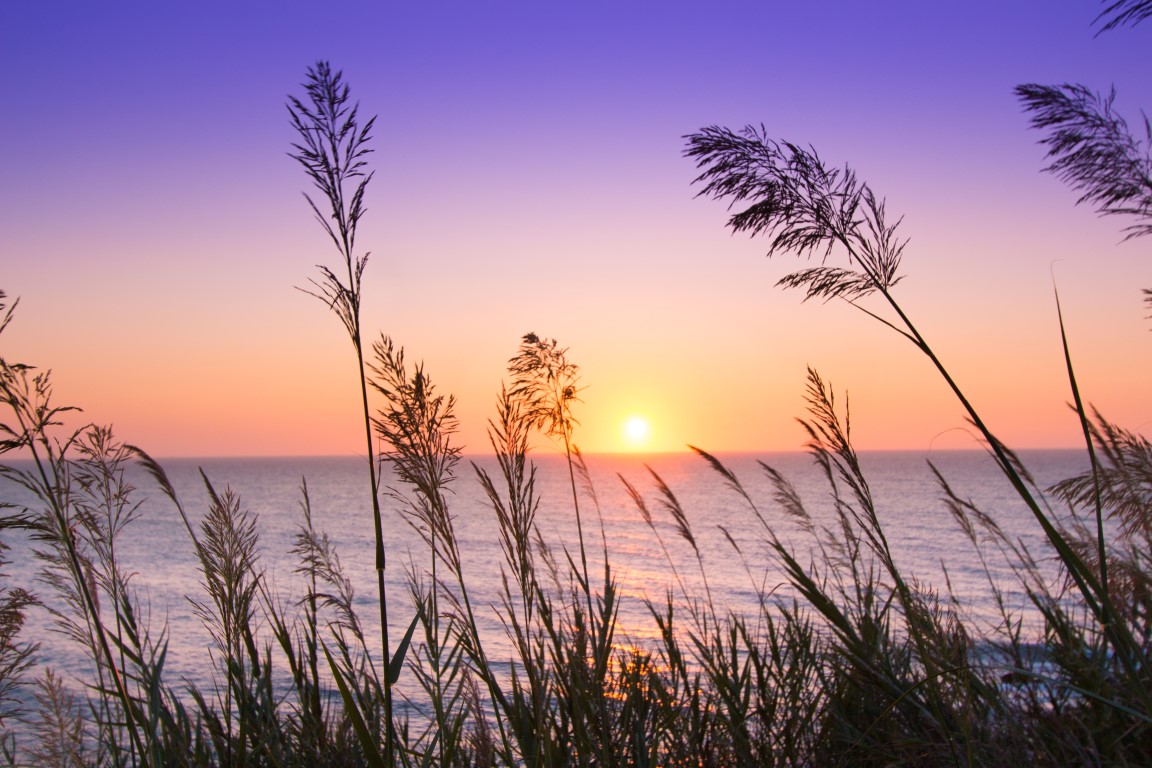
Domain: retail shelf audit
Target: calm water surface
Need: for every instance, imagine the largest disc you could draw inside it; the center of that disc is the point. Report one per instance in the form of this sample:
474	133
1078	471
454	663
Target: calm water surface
925	540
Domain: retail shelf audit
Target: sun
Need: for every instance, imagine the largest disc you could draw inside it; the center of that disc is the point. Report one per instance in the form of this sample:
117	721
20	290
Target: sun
636	432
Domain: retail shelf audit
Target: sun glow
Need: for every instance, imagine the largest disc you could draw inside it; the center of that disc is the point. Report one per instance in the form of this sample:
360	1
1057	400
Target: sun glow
636	432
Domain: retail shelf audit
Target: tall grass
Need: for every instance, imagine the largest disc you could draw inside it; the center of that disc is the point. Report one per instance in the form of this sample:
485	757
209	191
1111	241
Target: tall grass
333	148
861	663
845	659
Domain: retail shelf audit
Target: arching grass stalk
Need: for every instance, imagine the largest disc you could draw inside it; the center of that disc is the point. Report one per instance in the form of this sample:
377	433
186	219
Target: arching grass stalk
807	208
86	502
332	150
27	396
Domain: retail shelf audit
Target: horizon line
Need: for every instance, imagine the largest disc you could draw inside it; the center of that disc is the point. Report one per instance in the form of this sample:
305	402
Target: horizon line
612	454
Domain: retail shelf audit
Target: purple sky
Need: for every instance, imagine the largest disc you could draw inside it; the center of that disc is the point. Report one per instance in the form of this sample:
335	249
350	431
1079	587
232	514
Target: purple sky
530	178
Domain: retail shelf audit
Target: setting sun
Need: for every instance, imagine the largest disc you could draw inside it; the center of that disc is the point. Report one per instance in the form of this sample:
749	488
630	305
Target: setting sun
636	432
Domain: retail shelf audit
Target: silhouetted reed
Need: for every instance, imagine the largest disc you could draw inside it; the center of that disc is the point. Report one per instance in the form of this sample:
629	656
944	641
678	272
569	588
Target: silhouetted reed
332	150
856	662
786	193
840	656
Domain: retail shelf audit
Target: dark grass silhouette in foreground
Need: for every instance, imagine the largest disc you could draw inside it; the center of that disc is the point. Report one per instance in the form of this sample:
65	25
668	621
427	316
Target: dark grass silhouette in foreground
866	665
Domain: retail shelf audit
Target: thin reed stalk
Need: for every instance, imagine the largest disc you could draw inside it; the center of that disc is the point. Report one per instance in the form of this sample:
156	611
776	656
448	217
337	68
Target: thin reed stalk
417	426
548	385
332	150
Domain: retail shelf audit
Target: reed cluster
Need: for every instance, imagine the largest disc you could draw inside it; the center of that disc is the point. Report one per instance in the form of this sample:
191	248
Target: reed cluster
862	663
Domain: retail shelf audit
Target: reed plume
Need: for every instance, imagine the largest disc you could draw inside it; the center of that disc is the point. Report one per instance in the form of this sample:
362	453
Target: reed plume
332	150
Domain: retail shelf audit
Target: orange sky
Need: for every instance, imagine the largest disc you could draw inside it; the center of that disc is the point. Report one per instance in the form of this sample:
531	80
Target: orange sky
529	178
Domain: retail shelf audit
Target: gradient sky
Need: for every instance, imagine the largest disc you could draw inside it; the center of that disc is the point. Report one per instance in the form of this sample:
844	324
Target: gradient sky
529	177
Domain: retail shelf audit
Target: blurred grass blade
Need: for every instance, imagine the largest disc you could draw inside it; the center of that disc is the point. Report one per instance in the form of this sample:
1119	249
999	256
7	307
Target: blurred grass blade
397	662
363	734
1090	443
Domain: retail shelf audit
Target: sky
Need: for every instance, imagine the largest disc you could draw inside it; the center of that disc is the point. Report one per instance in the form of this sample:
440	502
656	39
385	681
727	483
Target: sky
529	176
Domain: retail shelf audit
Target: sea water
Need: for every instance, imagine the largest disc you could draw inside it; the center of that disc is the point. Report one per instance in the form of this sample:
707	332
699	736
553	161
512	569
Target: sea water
734	564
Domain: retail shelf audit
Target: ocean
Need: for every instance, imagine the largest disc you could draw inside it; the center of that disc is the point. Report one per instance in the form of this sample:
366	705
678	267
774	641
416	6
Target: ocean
733	560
